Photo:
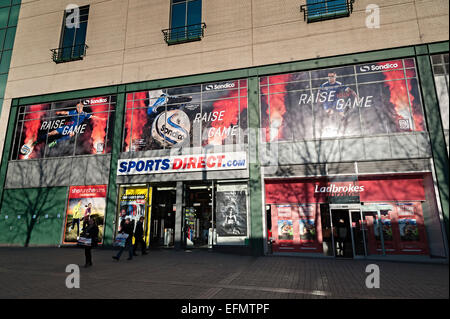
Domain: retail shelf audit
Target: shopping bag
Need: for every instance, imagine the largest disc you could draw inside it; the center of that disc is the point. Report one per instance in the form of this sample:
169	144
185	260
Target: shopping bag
120	240
83	241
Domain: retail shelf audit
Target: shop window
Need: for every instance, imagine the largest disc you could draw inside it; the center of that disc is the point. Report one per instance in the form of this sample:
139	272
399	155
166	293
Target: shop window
185	22
356	100
192	116
73	36
441	80
319	10
66	128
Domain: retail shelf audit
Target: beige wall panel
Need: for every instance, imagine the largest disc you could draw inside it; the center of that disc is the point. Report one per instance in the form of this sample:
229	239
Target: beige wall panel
32	8
340	43
106	27
65	82
222	16
433	20
186	65
269	12
90	62
145	21
215	42
4	122
34	38
300	40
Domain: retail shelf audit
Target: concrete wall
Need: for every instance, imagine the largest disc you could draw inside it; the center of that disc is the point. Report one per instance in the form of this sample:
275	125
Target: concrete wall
396	146
126	43
85	170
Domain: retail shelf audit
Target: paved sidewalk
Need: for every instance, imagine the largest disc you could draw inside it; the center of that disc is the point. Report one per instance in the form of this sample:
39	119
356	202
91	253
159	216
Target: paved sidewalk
40	273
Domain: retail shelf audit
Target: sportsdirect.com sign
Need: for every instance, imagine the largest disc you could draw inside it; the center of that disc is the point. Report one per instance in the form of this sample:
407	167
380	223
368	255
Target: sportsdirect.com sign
185	163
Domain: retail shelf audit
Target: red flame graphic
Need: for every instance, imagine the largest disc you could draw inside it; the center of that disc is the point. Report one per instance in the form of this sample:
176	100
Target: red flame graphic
277	108
31	127
230	106
136	118
402	99
99	123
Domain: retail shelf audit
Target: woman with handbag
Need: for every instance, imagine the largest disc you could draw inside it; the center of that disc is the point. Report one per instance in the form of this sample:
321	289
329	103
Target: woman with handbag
92	233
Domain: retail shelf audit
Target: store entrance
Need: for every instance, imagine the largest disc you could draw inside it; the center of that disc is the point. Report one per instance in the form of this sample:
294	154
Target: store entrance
343	245
348	240
162	216
198	215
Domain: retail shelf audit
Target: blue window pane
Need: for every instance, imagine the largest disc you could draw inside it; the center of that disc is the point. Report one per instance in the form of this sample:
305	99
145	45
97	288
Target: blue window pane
178	15
194	15
194	18
337	6
315	7
326	8
80	37
67	43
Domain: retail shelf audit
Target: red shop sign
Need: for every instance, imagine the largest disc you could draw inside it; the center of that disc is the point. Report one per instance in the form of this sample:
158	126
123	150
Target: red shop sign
369	190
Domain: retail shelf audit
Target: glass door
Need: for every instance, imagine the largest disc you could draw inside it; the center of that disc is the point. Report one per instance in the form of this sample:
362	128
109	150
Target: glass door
358	234
377	228
198	203
342	233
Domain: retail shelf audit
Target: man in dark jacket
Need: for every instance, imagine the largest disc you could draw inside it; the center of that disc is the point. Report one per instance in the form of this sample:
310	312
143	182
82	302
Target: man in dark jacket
139	237
128	228
91	232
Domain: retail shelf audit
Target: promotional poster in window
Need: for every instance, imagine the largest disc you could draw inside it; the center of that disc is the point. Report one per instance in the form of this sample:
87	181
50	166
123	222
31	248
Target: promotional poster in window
84	202
355	100
67	128
132	204
191	116
231	217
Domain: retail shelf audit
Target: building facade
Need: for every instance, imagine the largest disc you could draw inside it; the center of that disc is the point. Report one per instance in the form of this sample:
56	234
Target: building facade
312	128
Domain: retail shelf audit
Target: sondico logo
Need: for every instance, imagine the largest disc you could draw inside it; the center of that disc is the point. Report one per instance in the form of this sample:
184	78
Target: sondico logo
374	67
219	86
95	101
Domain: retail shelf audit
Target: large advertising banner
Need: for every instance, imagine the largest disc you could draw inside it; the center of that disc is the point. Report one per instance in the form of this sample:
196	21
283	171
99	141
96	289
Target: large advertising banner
373	98
231	210
132	205
190	116
66	128
84	202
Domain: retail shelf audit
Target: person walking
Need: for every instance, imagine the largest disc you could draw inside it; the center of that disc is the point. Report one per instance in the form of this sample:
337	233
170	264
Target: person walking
91	232
139	237
127	228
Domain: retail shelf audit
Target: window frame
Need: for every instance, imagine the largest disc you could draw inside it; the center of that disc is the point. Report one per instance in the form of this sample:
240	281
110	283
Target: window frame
60	55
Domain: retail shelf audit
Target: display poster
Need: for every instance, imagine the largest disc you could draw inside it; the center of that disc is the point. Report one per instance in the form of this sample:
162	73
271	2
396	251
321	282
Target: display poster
307	230
132	205
231	207
285	230
66	128
84	202
189	116
411	228
294	228
190	215
355	100
149	216
284	211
